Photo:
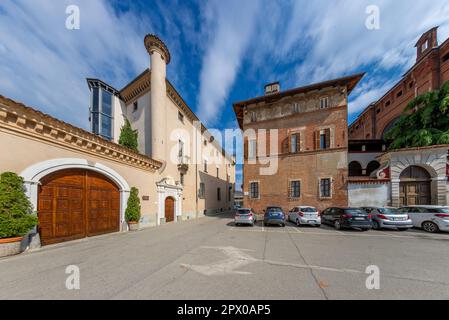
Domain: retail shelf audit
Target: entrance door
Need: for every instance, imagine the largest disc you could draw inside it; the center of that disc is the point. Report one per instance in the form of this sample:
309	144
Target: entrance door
414	188
169	209
75	204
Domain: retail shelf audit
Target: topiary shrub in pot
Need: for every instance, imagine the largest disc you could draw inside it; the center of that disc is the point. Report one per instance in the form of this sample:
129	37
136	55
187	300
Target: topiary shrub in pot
16	216
132	213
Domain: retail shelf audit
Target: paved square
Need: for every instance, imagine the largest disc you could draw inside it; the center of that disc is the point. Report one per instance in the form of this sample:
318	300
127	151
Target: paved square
210	258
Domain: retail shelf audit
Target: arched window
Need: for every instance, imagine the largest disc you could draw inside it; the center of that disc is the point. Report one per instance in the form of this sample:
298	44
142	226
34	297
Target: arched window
371	167
355	169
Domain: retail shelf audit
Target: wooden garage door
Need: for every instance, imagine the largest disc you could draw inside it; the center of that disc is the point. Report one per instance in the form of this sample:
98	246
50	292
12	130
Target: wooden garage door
75	204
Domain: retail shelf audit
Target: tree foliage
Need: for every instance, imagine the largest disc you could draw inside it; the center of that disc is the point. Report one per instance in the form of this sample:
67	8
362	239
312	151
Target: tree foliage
16	217
132	213
128	136
425	121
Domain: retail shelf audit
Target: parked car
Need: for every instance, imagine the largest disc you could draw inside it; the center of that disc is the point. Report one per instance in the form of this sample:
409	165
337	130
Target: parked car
274	215
389	218
245	216
304	215
340	218
430	218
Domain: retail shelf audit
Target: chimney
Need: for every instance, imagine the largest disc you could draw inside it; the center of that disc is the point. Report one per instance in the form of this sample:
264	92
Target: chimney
272	88
427	42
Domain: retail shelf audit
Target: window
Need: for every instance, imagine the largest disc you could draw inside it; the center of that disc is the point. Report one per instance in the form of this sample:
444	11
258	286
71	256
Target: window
399	94
252	146
254	190
218	194
424	46
181	178
446	57
355	169
229	193
202	191
180	150
294	143
325	188
253	116
295	107
205	165
135	106
378	110
387	103
324	103
295	189
218	173
102	112
180	117
323	139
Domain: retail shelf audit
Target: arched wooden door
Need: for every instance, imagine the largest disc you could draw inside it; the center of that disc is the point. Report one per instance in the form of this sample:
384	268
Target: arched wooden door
77	203
169	209
414	187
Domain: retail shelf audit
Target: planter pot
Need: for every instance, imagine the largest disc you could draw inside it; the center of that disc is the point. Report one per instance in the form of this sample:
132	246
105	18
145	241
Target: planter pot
133	226
10	246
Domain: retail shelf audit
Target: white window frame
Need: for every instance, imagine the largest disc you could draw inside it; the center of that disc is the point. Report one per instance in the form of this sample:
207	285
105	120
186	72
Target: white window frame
324	102
252	149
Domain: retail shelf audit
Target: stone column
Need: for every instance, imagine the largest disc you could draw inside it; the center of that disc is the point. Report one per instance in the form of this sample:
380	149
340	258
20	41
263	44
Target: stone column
160	57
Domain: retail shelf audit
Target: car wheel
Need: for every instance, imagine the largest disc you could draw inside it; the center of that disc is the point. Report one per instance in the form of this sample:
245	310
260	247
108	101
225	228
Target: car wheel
298	223
318	225
283	225
429	226
337	225
376	225
363	230
403	229
237	224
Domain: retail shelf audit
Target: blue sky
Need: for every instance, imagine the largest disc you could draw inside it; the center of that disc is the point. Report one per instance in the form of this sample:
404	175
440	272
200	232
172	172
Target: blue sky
222	51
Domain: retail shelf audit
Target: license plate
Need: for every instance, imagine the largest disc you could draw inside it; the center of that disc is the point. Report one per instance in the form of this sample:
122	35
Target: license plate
311	221
359	218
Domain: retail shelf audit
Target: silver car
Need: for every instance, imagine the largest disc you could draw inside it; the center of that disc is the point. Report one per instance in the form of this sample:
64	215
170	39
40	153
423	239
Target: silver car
389	218
245	216
304	215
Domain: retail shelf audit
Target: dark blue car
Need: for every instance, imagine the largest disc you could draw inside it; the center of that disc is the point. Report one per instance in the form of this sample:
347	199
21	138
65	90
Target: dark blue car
274	215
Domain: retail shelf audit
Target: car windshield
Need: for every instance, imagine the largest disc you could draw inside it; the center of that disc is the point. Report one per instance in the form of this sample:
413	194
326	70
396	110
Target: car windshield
243	211
354	211
274	209
389	211
439	210
310	209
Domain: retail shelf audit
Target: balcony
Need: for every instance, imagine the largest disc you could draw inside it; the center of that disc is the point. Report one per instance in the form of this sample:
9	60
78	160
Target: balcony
183	164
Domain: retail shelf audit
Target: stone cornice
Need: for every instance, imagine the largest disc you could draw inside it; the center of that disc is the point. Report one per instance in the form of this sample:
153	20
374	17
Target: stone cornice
26	121
152	42
138	87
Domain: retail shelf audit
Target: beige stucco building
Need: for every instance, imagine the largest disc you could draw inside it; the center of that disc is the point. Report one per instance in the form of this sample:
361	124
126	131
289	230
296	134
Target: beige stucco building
79	182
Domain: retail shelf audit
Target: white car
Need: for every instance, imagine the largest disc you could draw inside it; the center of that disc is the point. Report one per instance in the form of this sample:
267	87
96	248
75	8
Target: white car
430	218
304	215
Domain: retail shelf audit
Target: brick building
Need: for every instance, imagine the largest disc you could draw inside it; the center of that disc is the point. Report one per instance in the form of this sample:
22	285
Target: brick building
408	176
306	138
430	72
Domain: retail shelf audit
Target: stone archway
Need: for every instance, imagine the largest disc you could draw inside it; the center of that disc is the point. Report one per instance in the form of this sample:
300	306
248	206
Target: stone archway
415	186
168	188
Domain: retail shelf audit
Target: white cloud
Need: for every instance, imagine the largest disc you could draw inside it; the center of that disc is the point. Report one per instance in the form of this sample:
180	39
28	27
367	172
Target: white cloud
228	28
48	63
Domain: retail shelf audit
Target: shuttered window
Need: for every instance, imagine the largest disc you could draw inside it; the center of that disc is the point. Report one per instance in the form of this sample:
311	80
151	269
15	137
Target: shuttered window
325	187
295	143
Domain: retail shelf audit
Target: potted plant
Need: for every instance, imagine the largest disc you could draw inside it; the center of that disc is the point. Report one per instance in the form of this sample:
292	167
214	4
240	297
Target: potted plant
132	213
16	218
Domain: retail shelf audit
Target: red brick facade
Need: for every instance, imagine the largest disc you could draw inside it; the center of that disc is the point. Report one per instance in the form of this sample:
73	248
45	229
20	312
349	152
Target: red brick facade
319	151
430	71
